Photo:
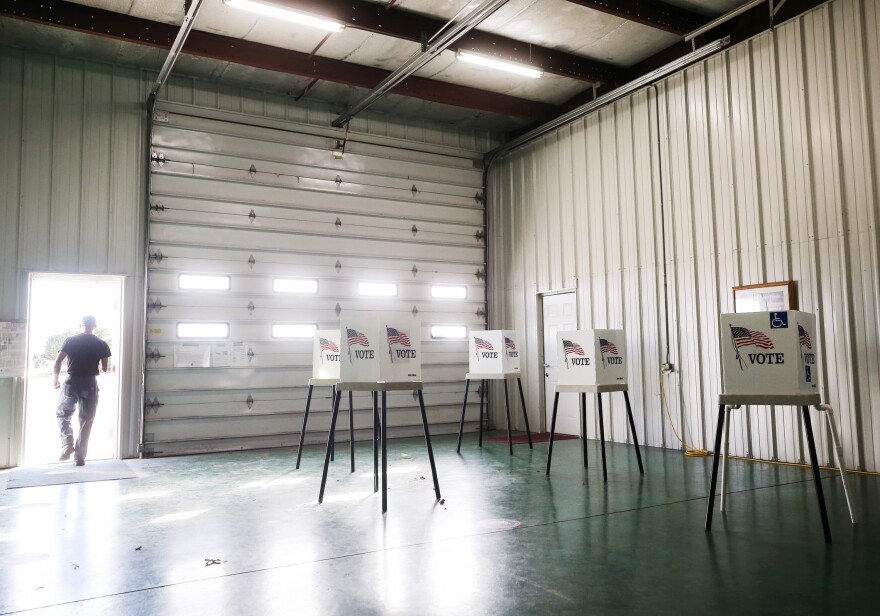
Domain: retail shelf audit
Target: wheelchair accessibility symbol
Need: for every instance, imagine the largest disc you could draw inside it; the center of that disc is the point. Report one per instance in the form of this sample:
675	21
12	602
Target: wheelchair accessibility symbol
778	320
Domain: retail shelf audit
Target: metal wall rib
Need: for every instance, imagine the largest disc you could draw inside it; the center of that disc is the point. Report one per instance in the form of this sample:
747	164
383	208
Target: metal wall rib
767	159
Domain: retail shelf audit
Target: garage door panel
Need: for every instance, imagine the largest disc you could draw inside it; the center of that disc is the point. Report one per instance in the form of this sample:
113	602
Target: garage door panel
256	205
265	143
380	175
466	211
212	236
179	209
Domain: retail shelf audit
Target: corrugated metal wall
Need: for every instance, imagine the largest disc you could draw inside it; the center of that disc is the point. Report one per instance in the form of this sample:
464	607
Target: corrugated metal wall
258	200
72	166
766	160
71	179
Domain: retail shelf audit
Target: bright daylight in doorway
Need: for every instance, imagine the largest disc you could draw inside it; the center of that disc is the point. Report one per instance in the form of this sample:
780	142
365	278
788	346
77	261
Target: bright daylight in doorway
57	304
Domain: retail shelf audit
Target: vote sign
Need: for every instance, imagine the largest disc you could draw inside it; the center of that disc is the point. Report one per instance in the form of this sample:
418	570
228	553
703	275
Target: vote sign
381	348
769	353
326	354
591	357
494	352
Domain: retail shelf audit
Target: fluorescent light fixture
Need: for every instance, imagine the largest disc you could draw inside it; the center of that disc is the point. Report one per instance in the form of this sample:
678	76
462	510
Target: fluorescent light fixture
448	292
279	12
293	285
293	330
203	330
449	331
384	289
501	65
203	282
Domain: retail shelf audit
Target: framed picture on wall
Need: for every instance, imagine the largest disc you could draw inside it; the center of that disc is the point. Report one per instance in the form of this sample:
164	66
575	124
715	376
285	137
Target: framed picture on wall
768	297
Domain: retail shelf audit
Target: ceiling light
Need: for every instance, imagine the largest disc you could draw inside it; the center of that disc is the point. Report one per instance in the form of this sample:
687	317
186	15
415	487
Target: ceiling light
501	65
278	12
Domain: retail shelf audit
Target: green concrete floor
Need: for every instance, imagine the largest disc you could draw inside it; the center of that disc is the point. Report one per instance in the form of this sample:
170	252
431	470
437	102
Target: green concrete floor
507	540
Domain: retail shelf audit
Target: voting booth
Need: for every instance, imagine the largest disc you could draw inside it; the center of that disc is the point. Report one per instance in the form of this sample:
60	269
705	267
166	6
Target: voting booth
378	353
770	353
325	372
494	355
592	357
381	348
771	358
494	352
592	361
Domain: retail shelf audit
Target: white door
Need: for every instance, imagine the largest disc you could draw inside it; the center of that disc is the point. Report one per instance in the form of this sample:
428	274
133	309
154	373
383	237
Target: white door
560	314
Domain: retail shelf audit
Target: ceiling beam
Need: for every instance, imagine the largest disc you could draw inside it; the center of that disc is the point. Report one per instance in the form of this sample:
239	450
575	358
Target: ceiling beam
398	23
123	27
649	13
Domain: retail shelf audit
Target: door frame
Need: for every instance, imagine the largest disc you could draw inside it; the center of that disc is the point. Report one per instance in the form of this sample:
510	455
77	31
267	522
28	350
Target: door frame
31	276
539	300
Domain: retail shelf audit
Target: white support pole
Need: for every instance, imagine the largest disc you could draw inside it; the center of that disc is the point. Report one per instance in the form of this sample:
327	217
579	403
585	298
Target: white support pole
838	454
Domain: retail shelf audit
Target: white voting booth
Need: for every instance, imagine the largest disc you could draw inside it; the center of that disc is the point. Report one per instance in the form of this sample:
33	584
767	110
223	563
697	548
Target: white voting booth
494	355
378	353
592	361
325	373
771	358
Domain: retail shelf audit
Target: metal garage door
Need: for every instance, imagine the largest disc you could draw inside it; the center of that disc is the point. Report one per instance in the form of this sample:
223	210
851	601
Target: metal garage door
262	207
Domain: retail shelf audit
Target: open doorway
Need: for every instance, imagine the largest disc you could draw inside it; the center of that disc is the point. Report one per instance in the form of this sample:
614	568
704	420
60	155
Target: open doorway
56	305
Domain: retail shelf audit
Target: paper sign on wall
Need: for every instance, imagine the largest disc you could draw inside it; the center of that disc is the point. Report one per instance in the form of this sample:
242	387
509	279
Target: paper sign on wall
769	353
592	357
494	352
192	355
12	349
326	354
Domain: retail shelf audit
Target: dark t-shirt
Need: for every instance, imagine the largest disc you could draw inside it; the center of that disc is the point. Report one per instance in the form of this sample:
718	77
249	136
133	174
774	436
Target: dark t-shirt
84	352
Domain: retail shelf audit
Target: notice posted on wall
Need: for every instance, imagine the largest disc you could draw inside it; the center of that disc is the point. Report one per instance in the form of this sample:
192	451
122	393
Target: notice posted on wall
192	355
13	359
229	355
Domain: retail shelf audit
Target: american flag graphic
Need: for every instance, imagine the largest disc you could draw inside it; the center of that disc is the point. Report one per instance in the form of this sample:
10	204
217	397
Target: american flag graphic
570	347
329	345
805	337
483	344
395	336
356	338
509	343
606	346
746	337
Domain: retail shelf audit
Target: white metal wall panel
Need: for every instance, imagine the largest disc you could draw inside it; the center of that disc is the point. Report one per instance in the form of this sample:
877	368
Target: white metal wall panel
768	167
262	200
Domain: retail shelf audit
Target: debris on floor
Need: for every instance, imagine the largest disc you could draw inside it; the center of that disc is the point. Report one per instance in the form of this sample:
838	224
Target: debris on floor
138	548
442	501
212	561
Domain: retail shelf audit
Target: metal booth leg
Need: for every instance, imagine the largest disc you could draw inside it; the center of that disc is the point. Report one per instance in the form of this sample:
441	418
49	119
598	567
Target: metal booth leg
814	459
351	427
384	422
467	385
507	407
428	443
726	453
522	399
584	424
838	454
302	432
375	441
333	440
602	437
632	427
330	437
552	431
482	397
718	431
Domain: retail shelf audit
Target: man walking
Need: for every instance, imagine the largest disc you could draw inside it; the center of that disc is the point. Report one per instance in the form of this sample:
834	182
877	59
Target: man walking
83	353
